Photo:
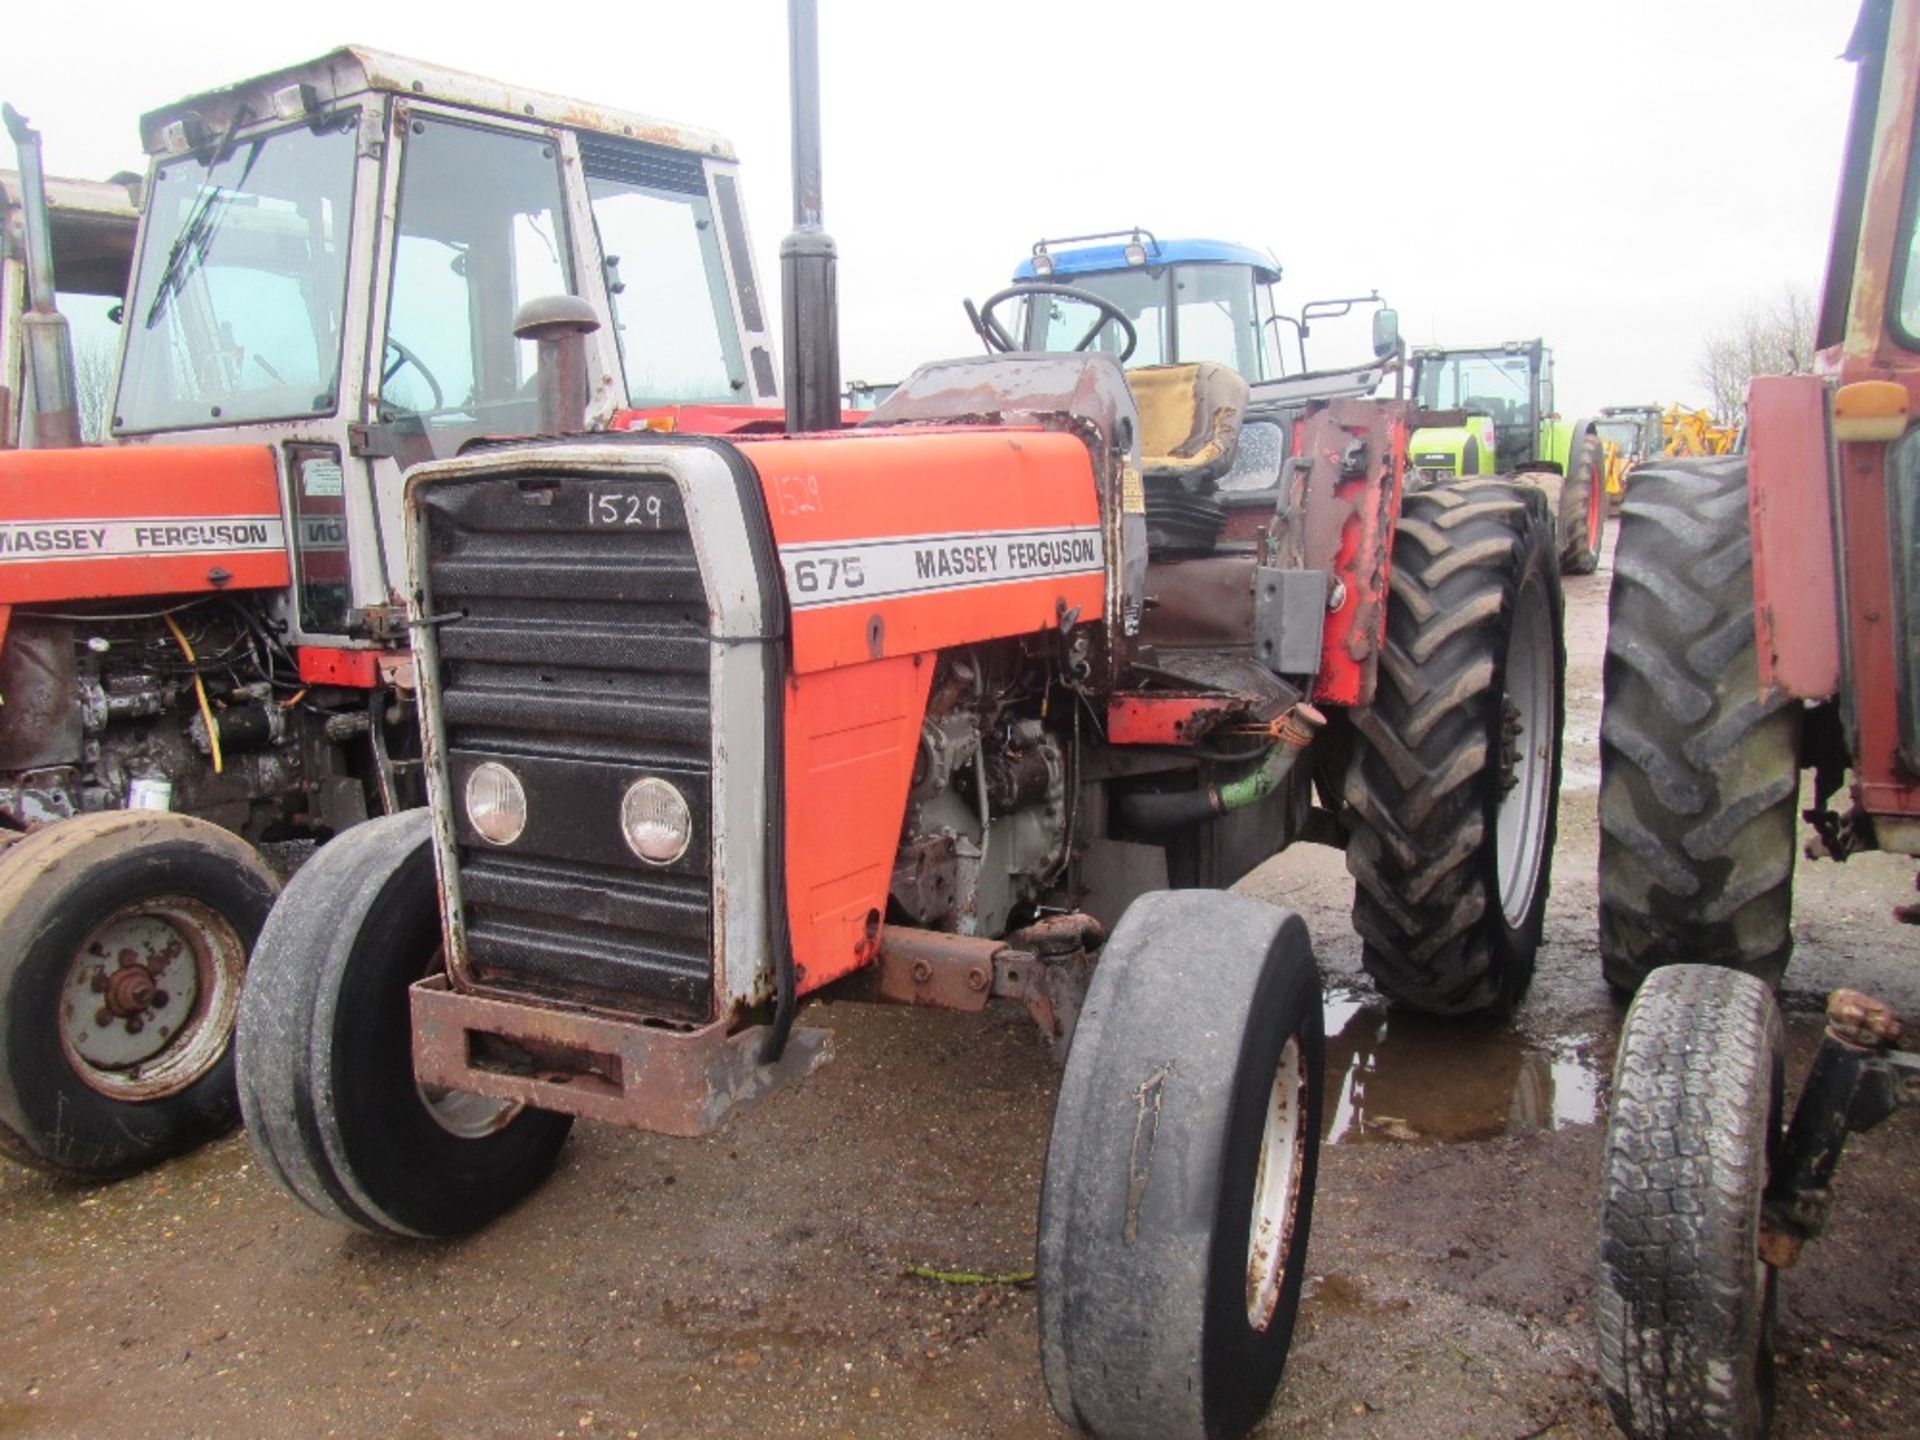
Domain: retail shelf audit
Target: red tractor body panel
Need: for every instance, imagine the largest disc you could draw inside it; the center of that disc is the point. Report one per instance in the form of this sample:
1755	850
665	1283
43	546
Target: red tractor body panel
95	524
1795	593
895	545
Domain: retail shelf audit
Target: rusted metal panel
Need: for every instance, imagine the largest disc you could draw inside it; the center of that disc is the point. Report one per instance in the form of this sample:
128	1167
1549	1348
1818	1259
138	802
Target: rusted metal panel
673	1082
1354	454
1136	717
1046	967
1795	591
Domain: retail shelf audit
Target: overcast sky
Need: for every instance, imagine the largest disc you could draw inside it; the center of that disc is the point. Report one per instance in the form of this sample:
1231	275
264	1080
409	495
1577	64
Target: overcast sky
1621	178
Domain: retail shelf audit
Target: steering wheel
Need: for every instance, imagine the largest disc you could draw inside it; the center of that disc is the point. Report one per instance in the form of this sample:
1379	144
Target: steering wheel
405	357
995	334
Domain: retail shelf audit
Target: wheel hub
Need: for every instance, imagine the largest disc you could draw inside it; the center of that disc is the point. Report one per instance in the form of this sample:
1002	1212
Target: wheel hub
150	997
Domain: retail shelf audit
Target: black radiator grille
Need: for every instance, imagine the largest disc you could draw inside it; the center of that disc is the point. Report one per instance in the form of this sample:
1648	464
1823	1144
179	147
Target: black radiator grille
574	649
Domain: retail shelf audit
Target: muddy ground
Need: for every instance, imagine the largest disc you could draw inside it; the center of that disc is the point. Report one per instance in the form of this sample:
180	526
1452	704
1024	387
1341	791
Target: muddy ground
755	1285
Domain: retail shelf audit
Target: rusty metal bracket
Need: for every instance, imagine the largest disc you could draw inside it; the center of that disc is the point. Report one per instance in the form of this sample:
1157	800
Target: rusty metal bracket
673	1082
1046	967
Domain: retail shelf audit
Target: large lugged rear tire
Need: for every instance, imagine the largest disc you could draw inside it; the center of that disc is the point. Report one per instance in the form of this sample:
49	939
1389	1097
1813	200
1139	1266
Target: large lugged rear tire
326	1052
1452	793
1684	1306
123	946
1581	511
1699	777
1178	1193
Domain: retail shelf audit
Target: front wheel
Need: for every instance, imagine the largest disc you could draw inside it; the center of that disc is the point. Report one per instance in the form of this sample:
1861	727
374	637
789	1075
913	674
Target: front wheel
123	945
1581	511
1685	1303
1178	1191
326	1052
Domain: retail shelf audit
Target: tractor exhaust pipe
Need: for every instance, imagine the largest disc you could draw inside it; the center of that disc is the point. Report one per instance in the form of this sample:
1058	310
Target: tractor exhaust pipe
809	300
47	343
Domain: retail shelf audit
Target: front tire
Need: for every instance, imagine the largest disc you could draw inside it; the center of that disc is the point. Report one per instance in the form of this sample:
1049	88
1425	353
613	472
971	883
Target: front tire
326	1053
1685	1305
1178	1192
123	946
1699	776
1452	793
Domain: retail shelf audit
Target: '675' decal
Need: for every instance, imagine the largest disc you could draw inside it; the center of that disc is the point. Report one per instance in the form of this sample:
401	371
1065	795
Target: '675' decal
843	572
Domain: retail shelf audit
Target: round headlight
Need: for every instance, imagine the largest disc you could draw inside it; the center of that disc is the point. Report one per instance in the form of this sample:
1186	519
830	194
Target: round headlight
655	820
496	803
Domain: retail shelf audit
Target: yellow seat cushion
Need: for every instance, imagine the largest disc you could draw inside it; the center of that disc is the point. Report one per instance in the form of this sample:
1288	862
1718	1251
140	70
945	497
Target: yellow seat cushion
1189	421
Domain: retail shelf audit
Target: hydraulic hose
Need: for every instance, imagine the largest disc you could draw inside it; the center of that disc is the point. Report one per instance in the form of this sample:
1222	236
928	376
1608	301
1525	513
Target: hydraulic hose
1170	810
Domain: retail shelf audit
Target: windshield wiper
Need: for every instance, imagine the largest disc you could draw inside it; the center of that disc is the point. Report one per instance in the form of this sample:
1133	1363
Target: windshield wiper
189	249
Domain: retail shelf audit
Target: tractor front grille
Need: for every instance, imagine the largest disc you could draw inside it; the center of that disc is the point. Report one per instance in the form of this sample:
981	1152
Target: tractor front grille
571	630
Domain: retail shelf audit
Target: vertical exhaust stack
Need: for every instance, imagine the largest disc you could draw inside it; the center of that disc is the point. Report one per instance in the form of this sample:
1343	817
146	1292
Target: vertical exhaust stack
809	300
46	341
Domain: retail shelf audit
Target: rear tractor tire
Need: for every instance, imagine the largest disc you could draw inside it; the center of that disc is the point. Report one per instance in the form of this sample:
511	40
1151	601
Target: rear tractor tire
123	946
1684	1304
1453	789
1699	777
326	1053
1178	1193
1581	508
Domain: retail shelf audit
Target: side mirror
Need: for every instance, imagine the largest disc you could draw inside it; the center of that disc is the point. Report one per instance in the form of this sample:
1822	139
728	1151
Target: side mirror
1386	331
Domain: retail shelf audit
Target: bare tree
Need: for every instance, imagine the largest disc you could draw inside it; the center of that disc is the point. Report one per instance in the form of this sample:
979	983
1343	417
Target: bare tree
93	388
1770	339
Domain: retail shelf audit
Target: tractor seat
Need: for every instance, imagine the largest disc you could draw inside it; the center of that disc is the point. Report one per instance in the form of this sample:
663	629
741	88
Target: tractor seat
1189	422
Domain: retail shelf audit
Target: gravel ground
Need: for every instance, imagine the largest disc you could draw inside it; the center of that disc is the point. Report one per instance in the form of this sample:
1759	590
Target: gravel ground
753	1284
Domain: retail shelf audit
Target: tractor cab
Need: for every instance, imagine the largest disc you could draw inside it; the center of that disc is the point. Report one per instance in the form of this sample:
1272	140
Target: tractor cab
91	226
1484	409
334	261
1196	326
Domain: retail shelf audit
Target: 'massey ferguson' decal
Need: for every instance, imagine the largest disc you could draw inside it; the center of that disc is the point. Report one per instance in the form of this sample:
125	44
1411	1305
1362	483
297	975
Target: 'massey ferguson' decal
845	572
119	539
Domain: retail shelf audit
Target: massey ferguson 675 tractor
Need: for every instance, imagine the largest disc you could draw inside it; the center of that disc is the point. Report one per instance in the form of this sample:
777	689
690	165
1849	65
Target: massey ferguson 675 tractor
942	708
203	640
1765	625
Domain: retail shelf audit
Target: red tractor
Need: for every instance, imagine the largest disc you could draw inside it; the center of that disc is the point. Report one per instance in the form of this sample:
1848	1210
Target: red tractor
1765	623
343	267
985	697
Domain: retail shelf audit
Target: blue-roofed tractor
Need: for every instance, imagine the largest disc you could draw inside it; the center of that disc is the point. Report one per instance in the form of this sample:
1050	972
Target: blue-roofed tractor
1489	410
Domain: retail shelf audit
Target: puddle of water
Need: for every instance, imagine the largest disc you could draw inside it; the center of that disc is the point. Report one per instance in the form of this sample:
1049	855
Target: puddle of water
1395	1075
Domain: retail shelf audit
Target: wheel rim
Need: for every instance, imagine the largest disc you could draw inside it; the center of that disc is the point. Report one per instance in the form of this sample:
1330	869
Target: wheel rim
461	1112
150	997
1276	1186
1527	729
465	1114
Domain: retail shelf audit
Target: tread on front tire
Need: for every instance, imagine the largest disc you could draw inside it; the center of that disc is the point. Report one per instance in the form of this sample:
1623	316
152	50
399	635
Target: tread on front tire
1699	777
326	1052
1684	1304
1178	1194
1451	796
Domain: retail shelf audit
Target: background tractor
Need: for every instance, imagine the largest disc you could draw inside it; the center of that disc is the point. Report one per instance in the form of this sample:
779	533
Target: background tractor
1629	435
343	268
1764	632
91	226
1489	409
965	702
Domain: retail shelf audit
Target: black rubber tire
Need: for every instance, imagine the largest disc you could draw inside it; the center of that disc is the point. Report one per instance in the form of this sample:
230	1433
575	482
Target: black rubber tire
1699	778
1684	1305
1424	787
326	1051
56	886
1580	529
1146	1207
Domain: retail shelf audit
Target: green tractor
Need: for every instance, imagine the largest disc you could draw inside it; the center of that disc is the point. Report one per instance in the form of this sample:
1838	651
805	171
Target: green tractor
1488	410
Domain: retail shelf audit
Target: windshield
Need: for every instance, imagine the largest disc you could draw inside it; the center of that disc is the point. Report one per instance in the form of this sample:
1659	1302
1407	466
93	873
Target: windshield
1498	386
243	275
1182	314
